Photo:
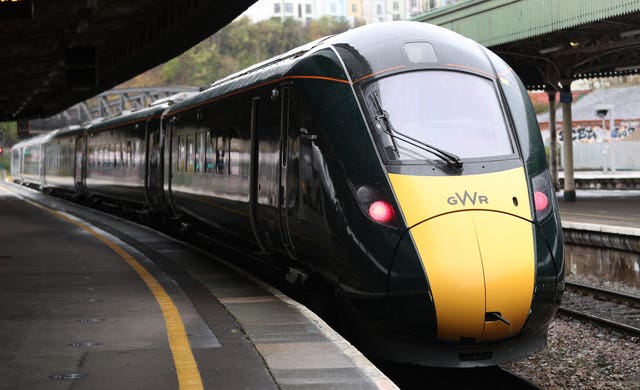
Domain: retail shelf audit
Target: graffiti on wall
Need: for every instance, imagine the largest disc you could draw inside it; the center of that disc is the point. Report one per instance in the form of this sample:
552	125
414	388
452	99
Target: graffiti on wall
595	134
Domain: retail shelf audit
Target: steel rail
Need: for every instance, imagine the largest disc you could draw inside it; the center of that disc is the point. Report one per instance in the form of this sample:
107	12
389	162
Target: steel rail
624	328
629	299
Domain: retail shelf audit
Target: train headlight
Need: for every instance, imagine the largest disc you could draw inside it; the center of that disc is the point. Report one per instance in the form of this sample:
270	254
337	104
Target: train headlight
542	194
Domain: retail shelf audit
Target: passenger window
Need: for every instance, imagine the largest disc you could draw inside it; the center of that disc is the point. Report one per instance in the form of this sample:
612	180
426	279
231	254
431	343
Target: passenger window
181	153
136	154
198	146
112	155
234	155
208	152
190	153
118	155
221	155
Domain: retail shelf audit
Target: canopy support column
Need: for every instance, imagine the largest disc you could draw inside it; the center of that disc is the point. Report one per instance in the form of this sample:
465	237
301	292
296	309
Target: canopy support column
553	146
569	194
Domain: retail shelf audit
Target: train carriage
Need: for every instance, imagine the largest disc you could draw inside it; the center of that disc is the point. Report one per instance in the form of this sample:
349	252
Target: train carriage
402	163
117	156
30	157
64	161
399	163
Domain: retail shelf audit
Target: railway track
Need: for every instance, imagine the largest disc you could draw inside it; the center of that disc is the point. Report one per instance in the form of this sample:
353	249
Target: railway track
607	308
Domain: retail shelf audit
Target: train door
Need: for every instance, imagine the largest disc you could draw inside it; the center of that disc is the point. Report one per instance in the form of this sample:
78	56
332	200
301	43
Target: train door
79	171
288	172
170	154
268	173
154	162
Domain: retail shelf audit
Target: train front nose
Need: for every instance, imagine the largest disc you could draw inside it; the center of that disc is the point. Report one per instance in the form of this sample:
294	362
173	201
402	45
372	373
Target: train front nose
480	269
474	239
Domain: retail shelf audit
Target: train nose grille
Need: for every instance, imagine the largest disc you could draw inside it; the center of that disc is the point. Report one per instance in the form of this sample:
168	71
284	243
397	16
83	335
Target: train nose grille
480	266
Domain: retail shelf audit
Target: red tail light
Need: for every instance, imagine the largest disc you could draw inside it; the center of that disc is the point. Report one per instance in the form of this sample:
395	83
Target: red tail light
381	211
542	192
541	201
376	204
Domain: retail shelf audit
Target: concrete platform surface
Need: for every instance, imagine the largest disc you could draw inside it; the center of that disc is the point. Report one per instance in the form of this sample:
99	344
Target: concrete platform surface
611	211
90	301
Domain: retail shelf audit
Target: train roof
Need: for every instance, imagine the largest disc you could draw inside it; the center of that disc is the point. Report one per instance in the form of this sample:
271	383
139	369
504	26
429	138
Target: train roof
369	51
263	72
69	131
39	139
127	116
380	49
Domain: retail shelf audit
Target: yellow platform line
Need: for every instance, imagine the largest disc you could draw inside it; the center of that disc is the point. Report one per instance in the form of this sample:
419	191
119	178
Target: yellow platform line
186	367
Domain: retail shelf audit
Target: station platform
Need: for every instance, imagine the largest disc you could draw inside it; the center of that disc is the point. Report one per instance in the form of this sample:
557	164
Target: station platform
601	232
91	301
612	210
604	180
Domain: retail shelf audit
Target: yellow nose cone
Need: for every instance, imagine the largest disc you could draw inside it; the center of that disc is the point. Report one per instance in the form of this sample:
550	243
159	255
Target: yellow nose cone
479	264
475	239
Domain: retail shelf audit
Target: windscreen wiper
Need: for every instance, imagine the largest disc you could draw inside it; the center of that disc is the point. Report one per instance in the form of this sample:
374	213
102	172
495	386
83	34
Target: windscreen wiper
451	159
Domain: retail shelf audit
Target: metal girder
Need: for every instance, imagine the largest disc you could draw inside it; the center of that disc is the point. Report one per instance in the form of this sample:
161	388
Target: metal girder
105	104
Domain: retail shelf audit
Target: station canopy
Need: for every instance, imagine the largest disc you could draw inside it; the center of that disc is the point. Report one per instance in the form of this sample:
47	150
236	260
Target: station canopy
551	41
56	53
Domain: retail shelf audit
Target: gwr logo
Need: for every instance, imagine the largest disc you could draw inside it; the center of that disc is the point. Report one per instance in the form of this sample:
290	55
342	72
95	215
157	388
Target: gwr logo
466	198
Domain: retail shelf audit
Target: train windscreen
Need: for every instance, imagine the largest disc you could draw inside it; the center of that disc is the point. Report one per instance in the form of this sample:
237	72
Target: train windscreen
455	113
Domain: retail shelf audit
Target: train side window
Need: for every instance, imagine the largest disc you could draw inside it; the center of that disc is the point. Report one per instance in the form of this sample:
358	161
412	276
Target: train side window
116	156
108	156
221	155
198	155
208	152
123	155
112	155
190	153
181	153
234	154
121	150
136	154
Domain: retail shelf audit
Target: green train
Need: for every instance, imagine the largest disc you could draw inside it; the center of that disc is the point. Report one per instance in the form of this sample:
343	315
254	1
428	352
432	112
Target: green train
399	163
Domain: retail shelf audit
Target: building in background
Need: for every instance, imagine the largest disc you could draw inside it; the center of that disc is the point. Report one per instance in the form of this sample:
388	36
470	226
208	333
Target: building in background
355	11
374	11
433	4
303	11
335	8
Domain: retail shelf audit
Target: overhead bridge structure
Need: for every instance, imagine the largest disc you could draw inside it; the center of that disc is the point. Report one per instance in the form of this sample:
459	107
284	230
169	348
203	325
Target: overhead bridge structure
550	43
105	104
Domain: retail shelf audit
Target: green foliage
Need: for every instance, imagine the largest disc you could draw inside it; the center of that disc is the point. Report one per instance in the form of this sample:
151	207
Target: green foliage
239	45
9	137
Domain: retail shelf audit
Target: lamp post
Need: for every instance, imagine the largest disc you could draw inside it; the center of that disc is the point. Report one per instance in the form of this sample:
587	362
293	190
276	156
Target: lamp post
601	112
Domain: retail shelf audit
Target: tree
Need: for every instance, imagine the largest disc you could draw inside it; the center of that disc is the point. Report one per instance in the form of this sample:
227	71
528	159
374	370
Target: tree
235	47
9	137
